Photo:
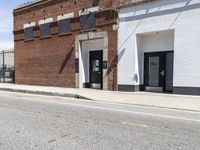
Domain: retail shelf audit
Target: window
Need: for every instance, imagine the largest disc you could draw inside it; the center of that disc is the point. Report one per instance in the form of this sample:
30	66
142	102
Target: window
88	21
45	30
64	26
29	33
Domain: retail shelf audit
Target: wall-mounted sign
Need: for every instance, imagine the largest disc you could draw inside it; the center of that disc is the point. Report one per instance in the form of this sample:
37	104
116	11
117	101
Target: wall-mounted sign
76	65
105	64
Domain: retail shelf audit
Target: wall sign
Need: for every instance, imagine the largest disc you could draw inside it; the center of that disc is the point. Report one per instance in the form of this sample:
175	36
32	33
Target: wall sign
76	65
105	64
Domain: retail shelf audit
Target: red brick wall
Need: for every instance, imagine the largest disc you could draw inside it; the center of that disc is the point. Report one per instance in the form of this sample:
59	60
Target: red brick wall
51	61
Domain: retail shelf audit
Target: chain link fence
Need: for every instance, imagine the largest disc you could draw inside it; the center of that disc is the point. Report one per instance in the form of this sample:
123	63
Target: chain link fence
7	69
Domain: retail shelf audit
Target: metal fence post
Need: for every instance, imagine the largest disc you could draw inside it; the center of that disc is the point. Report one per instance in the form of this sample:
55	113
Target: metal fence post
7	66
3	66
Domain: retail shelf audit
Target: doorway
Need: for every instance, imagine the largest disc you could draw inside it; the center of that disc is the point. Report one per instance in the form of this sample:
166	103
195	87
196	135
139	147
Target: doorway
158	71
96	69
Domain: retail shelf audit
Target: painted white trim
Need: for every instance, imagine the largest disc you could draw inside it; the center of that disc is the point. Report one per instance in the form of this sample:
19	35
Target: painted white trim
31	24
65	16
43	21
92	9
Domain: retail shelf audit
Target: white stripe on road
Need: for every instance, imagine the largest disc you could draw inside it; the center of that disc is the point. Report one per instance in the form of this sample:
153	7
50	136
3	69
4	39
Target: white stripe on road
125	111
112	109
135	124
116	110
98	101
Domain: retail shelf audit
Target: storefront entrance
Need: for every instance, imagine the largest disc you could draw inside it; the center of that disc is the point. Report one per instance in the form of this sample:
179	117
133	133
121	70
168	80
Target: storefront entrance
91	57
158	71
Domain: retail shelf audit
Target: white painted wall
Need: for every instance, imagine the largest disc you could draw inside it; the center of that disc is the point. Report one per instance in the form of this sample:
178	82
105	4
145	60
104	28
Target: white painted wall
157	41
182	16
86	47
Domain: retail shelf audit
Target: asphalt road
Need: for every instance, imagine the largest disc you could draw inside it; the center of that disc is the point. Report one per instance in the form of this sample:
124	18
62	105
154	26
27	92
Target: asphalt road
34	122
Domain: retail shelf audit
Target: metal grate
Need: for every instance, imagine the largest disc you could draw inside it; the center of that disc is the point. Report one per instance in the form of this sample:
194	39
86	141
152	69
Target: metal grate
7	72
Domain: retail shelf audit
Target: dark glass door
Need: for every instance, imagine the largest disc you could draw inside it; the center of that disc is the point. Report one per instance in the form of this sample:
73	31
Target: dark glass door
96	70
169	71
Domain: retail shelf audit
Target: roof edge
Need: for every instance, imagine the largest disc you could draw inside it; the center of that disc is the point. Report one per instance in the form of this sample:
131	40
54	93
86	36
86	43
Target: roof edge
27	4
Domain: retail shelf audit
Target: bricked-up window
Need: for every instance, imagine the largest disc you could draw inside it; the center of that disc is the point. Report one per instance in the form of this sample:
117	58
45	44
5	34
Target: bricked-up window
95	3
88	21
65	26
29	33
45	30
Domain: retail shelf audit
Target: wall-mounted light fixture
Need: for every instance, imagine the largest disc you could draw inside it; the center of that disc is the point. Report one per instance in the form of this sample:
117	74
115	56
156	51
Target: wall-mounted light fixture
85	11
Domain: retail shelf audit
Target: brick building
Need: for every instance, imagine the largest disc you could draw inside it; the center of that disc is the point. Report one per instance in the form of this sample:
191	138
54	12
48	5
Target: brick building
66	43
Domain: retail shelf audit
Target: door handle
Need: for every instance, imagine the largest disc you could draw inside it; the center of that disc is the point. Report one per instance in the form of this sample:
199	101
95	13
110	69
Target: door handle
162	73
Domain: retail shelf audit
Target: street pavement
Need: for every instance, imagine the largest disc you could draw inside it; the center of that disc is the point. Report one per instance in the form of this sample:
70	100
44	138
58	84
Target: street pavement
163	100
35	122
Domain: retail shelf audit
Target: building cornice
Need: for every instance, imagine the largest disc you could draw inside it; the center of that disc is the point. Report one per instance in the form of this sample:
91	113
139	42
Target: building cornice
39	4
35	6
27	4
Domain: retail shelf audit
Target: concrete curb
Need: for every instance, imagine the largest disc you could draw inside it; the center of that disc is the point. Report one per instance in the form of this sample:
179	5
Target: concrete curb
77	96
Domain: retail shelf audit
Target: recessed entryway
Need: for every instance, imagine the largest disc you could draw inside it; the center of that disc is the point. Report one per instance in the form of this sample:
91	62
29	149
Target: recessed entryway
158	71
91	63
91	59
156	60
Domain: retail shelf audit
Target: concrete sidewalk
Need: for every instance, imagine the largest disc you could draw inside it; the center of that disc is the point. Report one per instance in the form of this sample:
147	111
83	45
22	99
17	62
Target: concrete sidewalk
183	102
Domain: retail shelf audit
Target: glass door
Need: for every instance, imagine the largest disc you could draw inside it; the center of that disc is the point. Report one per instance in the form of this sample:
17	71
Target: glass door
154	71
96	69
